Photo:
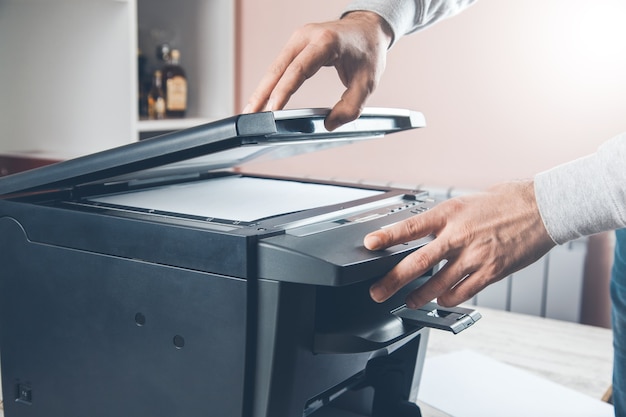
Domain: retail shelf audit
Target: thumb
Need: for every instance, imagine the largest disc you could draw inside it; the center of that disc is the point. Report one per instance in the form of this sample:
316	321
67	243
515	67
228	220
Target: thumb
352	101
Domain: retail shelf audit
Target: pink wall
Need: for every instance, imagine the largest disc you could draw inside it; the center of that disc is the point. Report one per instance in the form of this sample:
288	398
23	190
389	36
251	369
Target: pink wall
508	88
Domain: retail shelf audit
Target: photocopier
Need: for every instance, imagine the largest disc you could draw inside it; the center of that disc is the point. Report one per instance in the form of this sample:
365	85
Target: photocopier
156	280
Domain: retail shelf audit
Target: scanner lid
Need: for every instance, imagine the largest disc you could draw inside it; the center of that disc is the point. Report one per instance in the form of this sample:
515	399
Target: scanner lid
221	144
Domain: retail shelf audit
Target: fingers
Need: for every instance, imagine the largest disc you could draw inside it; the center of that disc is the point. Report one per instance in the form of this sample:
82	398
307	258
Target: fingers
261	95
413	228
299	60
356	45
447	280
451	285
303	67
411	267
484	237
352	101
342	113
417	263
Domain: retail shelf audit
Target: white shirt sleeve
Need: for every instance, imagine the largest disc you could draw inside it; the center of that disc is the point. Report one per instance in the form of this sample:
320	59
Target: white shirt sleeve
406	16
585	196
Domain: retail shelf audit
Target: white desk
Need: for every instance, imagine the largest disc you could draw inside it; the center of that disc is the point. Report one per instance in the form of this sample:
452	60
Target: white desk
574	355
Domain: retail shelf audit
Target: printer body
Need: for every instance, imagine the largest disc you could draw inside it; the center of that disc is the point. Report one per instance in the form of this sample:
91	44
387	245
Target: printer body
155	280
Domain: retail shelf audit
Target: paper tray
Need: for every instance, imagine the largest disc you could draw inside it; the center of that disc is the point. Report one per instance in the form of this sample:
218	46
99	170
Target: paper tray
453	319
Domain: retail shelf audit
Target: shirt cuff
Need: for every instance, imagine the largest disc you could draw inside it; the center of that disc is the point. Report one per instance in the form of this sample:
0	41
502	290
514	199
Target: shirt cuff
399	14
585	196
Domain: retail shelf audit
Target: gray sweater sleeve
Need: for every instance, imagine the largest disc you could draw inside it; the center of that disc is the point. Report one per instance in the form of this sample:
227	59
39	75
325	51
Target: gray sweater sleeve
406	16
585	196
580	198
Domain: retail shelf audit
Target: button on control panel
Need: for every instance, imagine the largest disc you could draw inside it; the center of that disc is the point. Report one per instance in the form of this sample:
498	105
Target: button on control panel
415	205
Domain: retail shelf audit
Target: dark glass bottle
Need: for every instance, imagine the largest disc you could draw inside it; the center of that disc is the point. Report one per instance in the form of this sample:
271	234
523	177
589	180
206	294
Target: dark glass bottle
143	84
156	98
175	86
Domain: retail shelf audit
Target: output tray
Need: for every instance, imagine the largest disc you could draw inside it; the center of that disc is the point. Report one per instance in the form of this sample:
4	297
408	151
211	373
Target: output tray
453	319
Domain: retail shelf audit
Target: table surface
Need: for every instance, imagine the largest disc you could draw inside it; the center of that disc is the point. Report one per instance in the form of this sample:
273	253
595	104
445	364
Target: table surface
577	356
544	347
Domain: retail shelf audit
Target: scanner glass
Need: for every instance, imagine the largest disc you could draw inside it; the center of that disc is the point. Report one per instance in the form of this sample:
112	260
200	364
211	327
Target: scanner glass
236	198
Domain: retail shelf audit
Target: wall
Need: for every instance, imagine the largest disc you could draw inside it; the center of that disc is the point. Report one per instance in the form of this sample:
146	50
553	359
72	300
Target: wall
508	89
66	72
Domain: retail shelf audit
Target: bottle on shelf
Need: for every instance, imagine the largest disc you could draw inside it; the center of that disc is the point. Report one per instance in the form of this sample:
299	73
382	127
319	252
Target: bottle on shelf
175	86
163	52
143	84
156	97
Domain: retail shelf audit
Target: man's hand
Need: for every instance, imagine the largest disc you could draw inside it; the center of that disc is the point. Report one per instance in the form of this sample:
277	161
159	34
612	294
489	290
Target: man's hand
484	237
355	45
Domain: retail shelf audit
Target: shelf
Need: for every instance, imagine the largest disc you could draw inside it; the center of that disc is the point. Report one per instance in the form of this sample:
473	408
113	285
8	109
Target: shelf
203	32
92	103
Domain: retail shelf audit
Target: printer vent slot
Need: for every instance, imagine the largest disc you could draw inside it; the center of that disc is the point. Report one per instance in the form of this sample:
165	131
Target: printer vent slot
333	393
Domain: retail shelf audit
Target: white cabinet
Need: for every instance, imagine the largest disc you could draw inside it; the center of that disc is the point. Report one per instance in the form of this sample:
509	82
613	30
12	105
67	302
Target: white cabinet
68	72
203	30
